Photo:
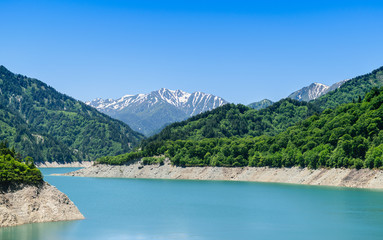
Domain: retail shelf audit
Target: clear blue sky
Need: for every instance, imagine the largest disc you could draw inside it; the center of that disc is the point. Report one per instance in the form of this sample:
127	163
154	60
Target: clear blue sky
243	51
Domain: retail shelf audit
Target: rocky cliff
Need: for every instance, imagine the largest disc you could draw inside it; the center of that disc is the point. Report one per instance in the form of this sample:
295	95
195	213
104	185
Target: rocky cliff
33	204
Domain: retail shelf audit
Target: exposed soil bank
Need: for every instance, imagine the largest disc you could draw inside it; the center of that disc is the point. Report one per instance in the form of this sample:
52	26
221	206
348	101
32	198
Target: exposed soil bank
34	204
364	178
63	165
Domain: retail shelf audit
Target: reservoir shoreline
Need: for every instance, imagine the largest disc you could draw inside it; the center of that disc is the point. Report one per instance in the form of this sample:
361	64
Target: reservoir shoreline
36	204
339	177
64	165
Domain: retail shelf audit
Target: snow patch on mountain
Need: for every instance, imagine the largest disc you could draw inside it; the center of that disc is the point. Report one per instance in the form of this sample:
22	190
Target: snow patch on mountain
314	91
156	108
192	103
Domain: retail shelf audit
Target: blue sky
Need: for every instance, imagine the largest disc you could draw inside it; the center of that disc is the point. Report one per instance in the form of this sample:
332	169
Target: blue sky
243	51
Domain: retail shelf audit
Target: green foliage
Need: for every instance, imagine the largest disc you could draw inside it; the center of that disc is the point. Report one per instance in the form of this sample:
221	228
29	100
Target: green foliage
235	120
15	172
153	160
349	136
352	90
50	126
121	159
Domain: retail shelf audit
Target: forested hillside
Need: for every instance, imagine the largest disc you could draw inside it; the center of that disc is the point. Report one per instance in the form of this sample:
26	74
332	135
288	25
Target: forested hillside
351	90
237	120
32	143
50	126
349	136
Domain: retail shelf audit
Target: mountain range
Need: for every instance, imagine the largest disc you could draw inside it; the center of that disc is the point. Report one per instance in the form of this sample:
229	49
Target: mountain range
50	126
148	113
308	93
343	128
240	121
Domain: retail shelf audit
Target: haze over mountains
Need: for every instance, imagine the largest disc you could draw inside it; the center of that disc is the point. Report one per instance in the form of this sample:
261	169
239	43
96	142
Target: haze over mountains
148	113
261	104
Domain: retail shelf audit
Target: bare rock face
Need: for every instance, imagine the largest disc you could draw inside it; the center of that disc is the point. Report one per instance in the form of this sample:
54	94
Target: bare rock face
363	178
34	204
63	165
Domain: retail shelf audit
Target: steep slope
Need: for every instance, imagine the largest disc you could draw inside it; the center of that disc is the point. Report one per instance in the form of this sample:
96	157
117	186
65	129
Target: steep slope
148	113
351	90
314	91
311	92
41	147
25	197
45	115
261	104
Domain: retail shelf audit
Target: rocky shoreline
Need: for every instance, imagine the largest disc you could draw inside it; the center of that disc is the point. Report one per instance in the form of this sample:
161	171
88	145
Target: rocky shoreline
35	204
63	165
364	178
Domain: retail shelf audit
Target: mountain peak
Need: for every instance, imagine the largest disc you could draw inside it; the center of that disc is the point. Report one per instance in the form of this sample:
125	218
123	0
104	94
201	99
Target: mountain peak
149	112
314	91
261	104
4	70
319	84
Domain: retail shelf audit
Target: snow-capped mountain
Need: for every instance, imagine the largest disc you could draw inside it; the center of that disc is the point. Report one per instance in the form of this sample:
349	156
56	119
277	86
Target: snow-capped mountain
314	91
147	113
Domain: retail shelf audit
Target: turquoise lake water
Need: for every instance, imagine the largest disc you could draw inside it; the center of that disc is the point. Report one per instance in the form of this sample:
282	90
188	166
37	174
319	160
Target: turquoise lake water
178	209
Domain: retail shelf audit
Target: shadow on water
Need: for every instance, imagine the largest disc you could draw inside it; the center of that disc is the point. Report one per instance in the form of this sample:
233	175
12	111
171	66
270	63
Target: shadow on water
39	231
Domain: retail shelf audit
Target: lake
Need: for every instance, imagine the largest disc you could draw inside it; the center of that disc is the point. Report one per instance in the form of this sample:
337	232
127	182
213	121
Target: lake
143	209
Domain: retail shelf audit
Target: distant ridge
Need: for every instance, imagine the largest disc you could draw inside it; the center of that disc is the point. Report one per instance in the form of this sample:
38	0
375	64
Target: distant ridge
314	91
148	113
261	104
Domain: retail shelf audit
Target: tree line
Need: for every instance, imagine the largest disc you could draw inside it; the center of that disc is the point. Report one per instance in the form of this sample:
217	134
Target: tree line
348	136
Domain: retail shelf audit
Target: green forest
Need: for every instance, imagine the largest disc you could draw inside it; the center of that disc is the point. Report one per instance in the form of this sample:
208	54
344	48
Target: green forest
352	89
348	136
237	120
15	171
49	126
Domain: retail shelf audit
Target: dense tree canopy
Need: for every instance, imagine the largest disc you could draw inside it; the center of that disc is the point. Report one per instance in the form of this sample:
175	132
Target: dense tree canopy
353	89
50	126
16	172
349	136
237	120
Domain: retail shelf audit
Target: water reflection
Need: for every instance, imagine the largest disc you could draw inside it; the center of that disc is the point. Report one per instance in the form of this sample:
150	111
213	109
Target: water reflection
39	231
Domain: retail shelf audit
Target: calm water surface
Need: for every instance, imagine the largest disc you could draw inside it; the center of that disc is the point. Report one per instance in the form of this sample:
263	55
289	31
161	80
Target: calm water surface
177	209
